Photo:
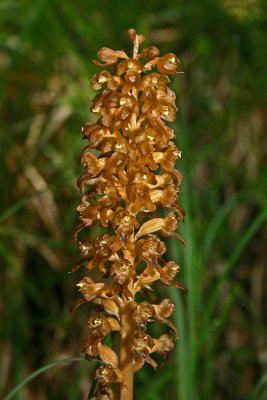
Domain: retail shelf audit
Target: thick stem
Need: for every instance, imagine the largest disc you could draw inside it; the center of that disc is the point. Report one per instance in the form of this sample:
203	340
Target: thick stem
126	356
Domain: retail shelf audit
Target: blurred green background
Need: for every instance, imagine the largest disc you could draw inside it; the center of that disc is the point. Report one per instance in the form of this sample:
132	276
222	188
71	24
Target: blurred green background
46	48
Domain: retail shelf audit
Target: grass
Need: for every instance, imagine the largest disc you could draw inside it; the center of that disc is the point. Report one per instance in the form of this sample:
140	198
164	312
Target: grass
38	372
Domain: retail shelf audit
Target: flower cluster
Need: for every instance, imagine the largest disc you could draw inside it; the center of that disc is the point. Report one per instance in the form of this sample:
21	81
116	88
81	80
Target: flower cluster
129	174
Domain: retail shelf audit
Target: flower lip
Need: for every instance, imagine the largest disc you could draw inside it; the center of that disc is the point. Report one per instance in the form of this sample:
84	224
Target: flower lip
168	64
106	375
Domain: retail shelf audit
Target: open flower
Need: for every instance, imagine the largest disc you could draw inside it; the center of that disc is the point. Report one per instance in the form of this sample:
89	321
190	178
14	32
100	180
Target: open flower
106	375
106	79
150	249
143	313
90	290
168	64
168	273
122	272
141	346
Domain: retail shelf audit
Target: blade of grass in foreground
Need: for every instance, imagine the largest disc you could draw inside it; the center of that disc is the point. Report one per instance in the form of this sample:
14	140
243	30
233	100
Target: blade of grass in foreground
40	371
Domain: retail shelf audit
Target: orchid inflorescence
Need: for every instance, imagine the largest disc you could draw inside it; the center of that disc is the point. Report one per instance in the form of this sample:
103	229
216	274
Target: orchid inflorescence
129	176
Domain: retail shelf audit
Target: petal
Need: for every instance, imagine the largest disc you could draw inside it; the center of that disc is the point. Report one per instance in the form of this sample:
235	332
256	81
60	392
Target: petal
164	309
90	290
164	344
138	364
152	362
76	305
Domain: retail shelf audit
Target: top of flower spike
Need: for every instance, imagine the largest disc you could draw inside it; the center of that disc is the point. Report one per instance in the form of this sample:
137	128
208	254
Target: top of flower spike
168	64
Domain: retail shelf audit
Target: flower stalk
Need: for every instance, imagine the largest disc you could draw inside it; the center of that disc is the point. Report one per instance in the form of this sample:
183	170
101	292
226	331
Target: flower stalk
129	176
126	356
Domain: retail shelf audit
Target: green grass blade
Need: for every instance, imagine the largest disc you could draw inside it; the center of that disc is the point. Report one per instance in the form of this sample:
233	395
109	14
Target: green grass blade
13	209
215	329
257	393
152	388
217	221
181	353
192	275
40	371
92	390
245	239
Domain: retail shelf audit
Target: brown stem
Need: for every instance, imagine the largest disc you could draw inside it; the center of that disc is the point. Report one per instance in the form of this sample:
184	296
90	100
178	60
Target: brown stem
126	356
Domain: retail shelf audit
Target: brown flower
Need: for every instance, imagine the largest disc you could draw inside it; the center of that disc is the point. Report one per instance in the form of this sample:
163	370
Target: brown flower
167	274
123	272
163	311
168	64
141	346
143	313
106	79
128	175
164	344
150	52
102	246
150	249
109	57
90	290
106	375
